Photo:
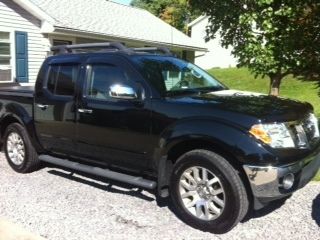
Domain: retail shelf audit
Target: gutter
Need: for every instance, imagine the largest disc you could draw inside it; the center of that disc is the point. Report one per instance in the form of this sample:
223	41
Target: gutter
95	35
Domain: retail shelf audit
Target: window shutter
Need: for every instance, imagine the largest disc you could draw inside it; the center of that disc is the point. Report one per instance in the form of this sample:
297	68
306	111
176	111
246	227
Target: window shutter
21	39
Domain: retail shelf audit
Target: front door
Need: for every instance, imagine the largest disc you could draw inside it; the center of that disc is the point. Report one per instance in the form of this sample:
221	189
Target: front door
112	131
55	110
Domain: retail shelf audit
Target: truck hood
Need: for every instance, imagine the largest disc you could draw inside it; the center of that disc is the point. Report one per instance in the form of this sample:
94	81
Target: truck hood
257	106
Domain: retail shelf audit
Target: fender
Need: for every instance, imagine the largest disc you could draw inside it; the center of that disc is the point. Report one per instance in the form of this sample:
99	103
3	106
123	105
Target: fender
225	135
23	115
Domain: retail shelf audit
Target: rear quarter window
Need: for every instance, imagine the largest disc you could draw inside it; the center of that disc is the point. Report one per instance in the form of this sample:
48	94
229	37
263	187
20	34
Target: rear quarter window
62	79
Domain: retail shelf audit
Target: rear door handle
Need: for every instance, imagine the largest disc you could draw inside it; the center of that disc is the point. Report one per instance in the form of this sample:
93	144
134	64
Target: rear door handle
42	106
83	110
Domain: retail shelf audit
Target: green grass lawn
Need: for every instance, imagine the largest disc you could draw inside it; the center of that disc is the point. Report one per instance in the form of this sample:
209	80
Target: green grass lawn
317	178
241	79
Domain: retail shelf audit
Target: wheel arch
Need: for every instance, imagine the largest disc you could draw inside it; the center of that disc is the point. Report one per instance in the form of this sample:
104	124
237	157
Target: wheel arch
6	121
16	113
187	145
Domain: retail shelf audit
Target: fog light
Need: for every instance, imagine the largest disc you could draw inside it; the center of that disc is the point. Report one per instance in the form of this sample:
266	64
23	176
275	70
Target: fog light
288	181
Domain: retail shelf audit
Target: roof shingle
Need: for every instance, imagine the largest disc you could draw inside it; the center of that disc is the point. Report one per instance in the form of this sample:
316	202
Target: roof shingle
115	20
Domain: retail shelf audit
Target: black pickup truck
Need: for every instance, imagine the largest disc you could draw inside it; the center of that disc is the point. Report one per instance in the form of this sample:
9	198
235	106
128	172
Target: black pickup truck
147	118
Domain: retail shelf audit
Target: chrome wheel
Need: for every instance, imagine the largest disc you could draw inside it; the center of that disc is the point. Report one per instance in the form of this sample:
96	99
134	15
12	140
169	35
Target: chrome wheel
202	193
15	148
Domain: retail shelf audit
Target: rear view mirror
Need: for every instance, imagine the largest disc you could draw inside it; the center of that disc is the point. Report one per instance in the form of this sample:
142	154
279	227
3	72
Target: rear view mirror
123	92
195	73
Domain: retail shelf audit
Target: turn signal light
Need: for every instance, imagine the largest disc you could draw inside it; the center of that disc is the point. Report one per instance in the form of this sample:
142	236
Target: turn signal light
260	133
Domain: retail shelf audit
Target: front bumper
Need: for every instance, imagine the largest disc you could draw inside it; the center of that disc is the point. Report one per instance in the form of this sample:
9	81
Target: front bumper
266	181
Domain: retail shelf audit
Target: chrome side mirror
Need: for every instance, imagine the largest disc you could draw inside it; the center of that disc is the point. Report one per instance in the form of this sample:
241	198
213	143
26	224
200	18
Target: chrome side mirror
122	92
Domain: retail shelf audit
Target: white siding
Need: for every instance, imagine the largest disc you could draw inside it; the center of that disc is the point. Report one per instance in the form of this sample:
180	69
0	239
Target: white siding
15	18
216	56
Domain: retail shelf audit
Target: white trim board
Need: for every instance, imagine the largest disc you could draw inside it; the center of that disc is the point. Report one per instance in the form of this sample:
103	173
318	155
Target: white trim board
34	10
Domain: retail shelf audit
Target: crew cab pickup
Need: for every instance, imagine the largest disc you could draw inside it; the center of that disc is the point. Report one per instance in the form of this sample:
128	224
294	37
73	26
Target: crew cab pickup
147	118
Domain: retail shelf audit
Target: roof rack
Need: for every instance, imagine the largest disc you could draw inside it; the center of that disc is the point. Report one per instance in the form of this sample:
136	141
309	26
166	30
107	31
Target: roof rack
63	49
108	46
153	50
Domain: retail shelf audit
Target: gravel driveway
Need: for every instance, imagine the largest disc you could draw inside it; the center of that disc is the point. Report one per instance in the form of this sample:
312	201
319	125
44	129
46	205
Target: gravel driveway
58	205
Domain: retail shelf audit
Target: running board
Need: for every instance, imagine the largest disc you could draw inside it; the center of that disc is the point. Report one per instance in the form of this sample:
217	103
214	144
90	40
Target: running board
133	180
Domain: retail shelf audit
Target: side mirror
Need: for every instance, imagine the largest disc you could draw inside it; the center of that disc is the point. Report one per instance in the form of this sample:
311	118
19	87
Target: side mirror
123	92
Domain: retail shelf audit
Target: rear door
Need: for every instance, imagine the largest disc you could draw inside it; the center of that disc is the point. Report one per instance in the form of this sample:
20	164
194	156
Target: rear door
113	131
55	110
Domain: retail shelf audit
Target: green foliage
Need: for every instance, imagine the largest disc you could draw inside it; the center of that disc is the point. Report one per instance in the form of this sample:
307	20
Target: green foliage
317	178
270	37
308	54
175	12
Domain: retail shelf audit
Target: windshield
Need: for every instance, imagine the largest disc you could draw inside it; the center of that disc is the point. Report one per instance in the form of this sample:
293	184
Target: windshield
172	76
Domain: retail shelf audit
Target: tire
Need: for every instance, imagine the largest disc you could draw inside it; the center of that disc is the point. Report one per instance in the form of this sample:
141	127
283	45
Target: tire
219	203
19	150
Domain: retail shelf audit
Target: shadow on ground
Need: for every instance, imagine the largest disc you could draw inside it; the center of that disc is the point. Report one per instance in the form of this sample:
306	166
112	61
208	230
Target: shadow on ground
113	187
266	210
316	210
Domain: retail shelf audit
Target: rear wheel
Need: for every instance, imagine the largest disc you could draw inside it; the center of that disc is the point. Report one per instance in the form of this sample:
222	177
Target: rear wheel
19	151
207	192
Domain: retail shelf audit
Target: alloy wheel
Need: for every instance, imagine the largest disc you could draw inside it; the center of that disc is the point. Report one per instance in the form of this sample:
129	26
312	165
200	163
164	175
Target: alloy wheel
202	193
15	148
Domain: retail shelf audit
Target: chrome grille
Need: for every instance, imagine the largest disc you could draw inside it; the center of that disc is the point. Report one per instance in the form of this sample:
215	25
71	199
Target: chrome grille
306	132
310	126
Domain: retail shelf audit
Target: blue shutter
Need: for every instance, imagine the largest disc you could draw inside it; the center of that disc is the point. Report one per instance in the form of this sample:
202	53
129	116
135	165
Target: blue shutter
21	56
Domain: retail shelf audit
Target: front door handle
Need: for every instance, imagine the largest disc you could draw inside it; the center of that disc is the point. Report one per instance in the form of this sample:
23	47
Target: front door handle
83	110
42	106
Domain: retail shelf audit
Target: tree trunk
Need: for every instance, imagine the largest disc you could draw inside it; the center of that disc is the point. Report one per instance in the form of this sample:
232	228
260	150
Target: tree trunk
275	81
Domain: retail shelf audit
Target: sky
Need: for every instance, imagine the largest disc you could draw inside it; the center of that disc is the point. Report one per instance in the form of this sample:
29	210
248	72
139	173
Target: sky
127	2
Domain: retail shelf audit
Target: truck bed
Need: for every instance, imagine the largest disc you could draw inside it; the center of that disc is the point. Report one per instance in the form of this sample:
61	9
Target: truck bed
26	91
18	99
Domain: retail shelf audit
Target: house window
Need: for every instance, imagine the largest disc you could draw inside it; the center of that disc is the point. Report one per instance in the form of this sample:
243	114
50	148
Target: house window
5	57
57	42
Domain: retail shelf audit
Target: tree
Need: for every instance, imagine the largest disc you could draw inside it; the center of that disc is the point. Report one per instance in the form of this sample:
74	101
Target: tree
177	13
268	36
309	48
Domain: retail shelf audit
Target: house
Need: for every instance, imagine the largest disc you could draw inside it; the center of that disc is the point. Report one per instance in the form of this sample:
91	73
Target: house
28	28
216	56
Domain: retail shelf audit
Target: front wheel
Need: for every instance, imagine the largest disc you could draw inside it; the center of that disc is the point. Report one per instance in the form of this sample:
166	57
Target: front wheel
19	150
207	192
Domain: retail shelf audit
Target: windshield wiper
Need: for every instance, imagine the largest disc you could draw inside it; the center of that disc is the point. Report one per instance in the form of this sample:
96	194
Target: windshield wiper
182	92
197	91
209	89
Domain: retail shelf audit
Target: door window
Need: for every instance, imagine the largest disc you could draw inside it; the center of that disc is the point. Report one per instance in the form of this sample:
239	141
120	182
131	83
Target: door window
102	77
62	79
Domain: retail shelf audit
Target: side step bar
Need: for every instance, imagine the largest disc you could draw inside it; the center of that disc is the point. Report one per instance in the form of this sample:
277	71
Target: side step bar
133	180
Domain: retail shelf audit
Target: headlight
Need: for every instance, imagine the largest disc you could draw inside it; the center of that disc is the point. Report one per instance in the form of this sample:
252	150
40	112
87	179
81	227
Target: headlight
276	135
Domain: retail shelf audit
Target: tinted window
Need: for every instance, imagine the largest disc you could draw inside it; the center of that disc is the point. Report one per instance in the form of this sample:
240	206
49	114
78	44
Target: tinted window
66	80
101	79
171	76
51	85
61	80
